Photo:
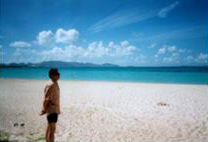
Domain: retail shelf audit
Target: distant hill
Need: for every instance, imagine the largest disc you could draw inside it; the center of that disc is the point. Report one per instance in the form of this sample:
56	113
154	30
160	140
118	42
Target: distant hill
61	64
55	64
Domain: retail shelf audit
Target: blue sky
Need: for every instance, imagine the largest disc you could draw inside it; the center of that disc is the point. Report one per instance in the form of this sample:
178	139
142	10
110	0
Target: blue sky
123	32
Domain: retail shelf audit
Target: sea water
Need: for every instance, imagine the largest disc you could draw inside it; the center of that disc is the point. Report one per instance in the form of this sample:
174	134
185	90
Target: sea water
176	75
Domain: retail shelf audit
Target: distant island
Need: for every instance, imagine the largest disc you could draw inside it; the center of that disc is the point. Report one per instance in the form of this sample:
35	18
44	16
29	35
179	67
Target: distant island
54	64
62	64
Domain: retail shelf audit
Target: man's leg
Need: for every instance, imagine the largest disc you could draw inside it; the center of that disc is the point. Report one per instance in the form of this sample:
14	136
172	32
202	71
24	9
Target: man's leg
47	133
52	119
52	130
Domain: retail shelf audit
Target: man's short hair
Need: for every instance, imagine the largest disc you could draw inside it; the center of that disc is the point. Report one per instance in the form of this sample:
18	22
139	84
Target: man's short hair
53	71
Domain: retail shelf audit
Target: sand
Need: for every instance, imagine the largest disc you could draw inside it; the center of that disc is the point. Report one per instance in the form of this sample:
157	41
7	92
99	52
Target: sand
107	111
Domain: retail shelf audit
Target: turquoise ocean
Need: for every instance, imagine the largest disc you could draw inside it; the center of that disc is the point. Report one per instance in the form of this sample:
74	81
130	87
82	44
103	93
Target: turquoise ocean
175	75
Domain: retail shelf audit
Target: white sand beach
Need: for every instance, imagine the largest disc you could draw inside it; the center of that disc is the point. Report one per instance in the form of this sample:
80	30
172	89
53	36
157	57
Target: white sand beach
107	111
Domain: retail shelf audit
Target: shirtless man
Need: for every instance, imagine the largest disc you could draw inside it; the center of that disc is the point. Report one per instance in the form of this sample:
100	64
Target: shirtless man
51	104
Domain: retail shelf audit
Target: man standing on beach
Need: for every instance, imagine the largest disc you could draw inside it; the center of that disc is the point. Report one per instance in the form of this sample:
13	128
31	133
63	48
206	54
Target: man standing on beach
51	104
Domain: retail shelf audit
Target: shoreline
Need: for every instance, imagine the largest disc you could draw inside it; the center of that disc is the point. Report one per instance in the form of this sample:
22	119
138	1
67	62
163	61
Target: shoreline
103	81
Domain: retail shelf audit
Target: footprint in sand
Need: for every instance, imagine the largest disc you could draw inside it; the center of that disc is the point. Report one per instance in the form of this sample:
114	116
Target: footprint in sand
16	124
22	125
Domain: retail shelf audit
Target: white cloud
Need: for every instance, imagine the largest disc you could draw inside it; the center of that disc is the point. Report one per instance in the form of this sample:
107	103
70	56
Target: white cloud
167	54
141	59
171	48
202	58
111	44
182	50
19	44
94	52
167	49
69	36
168	59
124	43
175	54
25	55
120	19
164	12
98	49
55	53
162	50
61	36
44	37
190	58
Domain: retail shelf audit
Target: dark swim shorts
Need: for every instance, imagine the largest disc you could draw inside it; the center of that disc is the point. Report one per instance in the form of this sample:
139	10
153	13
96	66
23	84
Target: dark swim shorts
52	118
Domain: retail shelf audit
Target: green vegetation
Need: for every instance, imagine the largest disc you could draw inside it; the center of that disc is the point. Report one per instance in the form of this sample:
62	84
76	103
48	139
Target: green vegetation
40	138
4	137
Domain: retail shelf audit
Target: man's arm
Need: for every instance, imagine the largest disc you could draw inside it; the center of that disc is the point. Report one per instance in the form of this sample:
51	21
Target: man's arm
53	96
47	101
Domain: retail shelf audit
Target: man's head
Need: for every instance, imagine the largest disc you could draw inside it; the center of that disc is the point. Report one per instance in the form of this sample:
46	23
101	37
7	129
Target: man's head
54	74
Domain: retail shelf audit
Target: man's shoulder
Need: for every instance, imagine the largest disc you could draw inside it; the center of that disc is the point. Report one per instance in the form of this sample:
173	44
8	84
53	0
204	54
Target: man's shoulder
49	84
